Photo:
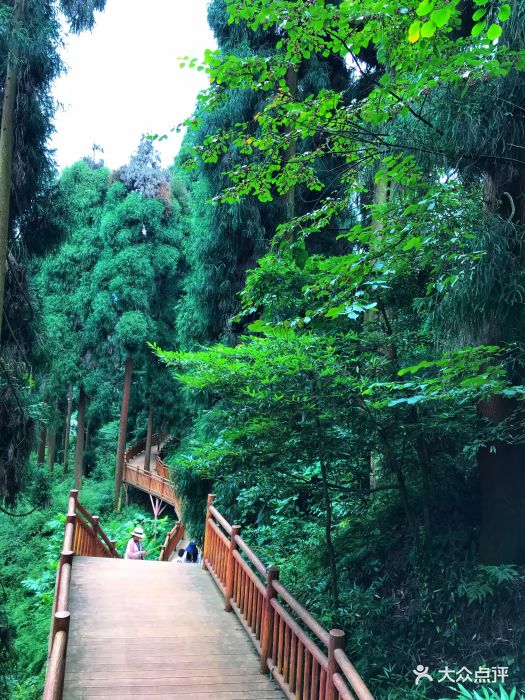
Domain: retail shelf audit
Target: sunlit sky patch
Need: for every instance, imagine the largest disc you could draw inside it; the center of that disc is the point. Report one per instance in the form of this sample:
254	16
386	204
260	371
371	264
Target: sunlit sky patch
124	79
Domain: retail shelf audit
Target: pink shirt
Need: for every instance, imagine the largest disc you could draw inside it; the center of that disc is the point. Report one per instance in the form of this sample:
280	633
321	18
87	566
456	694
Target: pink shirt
133	550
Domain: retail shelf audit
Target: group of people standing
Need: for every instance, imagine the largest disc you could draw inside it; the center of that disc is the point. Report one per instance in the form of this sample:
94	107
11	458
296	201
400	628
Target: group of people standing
134	550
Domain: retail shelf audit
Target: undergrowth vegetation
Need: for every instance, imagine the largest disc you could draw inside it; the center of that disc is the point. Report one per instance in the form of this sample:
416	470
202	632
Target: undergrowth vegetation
400	606
31	549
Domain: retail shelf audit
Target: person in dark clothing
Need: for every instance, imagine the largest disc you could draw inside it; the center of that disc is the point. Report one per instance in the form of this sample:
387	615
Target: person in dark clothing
192	552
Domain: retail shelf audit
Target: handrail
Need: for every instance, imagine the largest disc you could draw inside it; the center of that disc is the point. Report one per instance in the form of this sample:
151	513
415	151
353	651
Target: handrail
349	671
155	483
162	468
173	538
288	639
251	556
82	536
90	539
301	613
151	483
139	447
222	521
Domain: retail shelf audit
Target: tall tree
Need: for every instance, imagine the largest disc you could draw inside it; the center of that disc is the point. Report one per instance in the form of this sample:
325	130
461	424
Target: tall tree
119	264
400	126
29	62
29	17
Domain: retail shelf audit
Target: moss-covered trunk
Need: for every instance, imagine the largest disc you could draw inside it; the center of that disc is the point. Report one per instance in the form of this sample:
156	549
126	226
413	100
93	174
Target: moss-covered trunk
502	465
67	429
79	452
147	453
119	462
6	149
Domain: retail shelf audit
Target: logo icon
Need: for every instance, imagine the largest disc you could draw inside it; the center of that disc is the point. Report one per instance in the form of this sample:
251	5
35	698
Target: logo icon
421	672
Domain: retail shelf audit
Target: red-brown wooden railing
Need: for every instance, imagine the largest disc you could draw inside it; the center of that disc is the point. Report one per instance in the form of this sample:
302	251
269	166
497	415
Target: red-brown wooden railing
162	468
173	538
139	447
307	661
82	537
155	483
151	483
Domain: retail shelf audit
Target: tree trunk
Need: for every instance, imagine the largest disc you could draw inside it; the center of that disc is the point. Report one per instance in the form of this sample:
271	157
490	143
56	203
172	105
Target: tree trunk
328	538
79	452
502	466
59	441
68	428
6	150
41	454
502	486
88	435
502	482
381	190
51	446
147	453
119	466
424	467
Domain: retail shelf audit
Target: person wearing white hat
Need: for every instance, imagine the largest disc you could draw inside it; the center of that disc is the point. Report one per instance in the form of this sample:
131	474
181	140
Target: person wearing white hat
134	549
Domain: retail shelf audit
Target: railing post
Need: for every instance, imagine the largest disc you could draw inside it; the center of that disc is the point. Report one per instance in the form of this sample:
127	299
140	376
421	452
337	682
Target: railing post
113	547
267	620
211	497
74	495
96	527
336	640
230	568
54	684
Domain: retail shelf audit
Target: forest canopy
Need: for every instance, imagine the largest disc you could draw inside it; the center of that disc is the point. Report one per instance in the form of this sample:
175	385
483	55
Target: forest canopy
320	302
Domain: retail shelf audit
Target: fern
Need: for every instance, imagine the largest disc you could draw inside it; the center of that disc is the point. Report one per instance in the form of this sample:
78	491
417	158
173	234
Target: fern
486	582
487	693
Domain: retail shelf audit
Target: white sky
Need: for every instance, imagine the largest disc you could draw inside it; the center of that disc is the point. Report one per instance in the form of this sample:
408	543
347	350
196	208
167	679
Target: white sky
124	79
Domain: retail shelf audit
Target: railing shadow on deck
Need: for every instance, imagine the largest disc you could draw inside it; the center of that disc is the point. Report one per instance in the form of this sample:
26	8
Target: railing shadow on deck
83	536
287	638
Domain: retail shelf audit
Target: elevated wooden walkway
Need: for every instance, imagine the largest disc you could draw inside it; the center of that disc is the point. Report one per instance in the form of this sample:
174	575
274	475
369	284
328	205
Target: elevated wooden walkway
147	629
144	629
153	480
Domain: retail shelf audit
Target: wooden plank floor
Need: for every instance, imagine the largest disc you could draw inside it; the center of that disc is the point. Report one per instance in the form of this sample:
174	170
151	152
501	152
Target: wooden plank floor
140	459
146	629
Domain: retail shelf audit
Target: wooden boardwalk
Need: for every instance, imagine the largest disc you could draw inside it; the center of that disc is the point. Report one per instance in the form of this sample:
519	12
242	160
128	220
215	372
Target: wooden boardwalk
146	629
138	460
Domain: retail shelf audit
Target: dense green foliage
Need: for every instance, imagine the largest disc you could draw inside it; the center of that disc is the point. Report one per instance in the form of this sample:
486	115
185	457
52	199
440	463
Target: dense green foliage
364	425
35	40
32	547
110	287
334	270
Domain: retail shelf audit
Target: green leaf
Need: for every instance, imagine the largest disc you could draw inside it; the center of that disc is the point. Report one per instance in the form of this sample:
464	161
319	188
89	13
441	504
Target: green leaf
478	28
504	13
424	8
413	31
494	31
414	242
440	17
479	14
428	29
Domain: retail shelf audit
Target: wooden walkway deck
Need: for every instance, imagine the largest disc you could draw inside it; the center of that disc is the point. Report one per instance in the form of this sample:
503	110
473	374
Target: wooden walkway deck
138	460
146	629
